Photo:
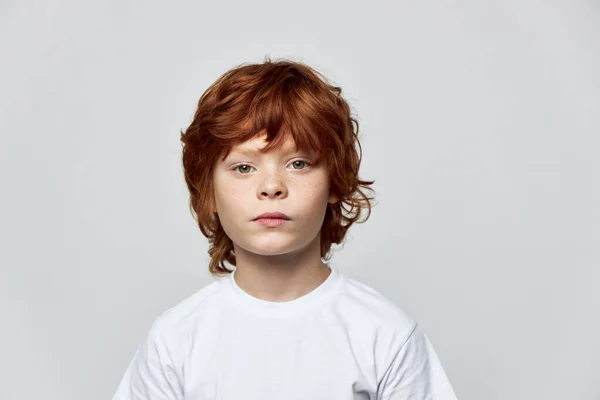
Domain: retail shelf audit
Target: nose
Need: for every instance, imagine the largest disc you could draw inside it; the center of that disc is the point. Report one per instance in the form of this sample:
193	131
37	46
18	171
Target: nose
272	186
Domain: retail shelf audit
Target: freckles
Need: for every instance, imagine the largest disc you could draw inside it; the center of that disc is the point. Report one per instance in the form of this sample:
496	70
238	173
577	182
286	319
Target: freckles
315	188
235	194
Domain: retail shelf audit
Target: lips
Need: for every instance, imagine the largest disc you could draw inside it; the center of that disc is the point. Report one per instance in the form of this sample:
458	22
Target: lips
272	215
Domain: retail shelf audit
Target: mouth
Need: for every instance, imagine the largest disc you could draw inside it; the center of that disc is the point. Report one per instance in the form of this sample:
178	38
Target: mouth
272	215
271	222
271	219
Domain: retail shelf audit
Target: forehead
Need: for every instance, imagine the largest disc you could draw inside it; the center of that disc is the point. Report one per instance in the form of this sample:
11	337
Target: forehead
259	142
284	143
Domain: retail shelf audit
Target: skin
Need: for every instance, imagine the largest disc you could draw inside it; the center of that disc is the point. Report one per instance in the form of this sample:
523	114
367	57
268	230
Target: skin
282	263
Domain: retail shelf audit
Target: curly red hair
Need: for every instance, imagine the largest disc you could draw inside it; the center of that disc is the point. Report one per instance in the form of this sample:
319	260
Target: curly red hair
279	98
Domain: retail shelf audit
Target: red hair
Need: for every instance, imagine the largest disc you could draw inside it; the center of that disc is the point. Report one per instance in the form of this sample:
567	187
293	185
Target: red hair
279	98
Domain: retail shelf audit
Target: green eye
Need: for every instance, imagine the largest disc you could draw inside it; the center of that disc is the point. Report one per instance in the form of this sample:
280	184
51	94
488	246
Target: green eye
241	166
295	163
244	169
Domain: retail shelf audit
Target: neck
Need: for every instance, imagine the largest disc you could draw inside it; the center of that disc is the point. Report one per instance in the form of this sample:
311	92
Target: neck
283	277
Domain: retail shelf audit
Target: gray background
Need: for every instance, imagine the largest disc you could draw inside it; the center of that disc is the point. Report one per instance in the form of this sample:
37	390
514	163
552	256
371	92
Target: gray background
479	123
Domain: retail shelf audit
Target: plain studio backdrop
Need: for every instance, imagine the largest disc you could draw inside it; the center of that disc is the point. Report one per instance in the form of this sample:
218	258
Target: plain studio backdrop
479	123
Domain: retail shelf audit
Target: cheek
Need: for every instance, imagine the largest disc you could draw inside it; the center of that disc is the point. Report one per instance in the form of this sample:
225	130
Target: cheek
313	196
232	201
317	190
227	198
222	196
225	189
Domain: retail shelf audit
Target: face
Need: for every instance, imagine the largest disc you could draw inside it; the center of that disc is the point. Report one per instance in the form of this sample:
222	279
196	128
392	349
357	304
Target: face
248	183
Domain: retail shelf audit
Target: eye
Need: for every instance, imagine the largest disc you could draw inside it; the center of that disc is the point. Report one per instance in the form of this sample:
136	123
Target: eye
299	163
246	169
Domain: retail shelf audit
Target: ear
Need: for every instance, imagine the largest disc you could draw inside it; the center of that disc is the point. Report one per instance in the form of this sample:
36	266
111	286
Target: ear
212	204
332	198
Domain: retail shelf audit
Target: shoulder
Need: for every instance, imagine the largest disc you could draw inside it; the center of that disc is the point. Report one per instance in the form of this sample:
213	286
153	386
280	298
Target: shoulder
377	312
189	314
399	346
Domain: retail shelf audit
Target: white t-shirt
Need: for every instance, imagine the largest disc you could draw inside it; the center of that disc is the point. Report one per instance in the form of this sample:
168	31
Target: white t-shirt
341	341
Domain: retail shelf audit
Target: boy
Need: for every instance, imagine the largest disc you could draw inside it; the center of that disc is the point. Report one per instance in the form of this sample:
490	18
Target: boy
271	163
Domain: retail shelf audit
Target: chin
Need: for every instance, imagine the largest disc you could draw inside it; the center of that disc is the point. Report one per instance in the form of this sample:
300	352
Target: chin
270	253
271	247
271	250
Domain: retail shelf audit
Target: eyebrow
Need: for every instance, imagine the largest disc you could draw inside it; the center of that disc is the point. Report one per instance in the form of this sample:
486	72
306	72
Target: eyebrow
245	151
255	151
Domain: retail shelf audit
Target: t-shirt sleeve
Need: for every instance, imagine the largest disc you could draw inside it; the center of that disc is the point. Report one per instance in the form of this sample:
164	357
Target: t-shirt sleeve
151	374
415	372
